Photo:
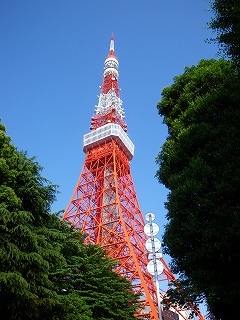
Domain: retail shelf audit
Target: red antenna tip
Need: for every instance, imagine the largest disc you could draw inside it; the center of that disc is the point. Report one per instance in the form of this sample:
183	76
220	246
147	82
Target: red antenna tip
111	51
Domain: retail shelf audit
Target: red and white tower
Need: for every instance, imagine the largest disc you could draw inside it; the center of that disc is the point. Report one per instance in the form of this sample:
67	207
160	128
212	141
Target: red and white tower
104	203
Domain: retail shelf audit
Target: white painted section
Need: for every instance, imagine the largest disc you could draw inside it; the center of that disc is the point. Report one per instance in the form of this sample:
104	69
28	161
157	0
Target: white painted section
108	101
106	133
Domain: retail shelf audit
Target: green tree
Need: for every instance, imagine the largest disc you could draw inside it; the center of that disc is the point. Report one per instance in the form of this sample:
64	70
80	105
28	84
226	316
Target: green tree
226	23
200	164
89	275
26	254
46	272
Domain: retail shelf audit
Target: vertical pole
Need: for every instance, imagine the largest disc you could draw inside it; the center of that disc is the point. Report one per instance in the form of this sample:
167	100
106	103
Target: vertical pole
155	269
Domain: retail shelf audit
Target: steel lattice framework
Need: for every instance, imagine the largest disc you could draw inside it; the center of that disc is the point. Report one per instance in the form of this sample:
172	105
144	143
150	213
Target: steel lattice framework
104	204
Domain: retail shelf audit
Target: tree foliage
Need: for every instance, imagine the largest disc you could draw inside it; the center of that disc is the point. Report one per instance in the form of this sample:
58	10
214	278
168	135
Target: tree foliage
88	275
25	252
226	23
200	164
46	272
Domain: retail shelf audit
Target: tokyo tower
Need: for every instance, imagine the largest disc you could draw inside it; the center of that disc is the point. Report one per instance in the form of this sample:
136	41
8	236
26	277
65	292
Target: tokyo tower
104	204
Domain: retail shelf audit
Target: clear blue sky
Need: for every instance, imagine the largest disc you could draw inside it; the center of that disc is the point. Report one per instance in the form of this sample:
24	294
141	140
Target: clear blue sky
51	61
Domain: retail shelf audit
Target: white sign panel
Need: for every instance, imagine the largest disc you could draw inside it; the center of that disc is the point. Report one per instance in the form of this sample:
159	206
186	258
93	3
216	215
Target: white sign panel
155	244
159	267
147	229
150	215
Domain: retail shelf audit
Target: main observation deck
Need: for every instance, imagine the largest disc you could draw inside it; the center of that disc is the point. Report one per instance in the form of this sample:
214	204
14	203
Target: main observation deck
109	131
